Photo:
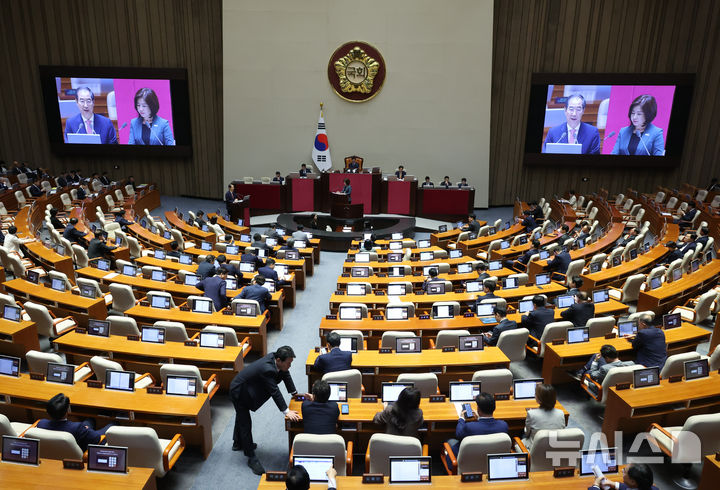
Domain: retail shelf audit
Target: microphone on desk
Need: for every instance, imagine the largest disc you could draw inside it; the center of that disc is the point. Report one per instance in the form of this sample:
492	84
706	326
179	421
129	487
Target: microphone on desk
643	143
562	136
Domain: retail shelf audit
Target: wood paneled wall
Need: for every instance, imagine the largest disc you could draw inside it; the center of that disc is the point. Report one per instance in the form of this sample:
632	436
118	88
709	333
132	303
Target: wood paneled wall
647	36
138	33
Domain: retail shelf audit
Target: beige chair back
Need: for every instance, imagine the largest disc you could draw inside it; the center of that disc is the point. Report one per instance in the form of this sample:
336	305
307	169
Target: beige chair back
145	449
352	377
512	343
229	333
544	447
382	446
472	455
427	383
322	445
357	334
494	380
55	444
122	325
174	331
675	364
123	297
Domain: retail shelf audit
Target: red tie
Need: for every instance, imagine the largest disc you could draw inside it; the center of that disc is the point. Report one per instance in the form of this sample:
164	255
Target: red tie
572	135
88	129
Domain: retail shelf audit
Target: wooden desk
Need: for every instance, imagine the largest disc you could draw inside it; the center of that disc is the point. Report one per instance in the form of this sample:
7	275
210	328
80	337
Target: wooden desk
449	366
416	265
669	295
193	232
253	327
61	304
538	479
50	260
668	404
710	473
16	338
26	401
50	474
384	251
146	357
230	227
560	358
148	238
381	282
472	247
441	420
515	252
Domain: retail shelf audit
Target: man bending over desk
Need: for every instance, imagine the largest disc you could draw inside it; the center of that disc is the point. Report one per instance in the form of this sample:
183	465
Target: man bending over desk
84	432
214	287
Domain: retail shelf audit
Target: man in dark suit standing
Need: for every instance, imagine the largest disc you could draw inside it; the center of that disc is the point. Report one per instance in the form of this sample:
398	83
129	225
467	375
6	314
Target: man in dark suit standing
251	388
649	344
214	288
536	320
206	268
320	416
503	325
335	359
560	262
255	291
84	432
229	198
581	311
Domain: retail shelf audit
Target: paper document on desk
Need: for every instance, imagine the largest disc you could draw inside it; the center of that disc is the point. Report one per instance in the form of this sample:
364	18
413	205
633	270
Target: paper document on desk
111	275
286	277
393	299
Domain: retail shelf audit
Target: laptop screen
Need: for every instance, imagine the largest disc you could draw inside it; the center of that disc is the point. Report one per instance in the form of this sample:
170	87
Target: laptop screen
604	458
595	267
316	466
120	380
87	291
60	373
464	268
694	265
101	328
9	366
292	255
232	249
426	269
338	392
156	335
565	301
504	244
485	309
404	469
191	279
270	242
396	289
391	391
350	313
627	328
57	284
455	254
230	283
159	254
160	302
544	254
281	269
129	270
247	267
542	279
473	286
494	265
696	369
616	260
156	275
242	309
20	450
107	458
395	245
348	344
396	313
436	288
443	311
202	306
442	228
525	305
212	339
397	236
423	243
407	345
633	254
677	273
427	255
11	313
655	282
185	259
359	272
300	244
671	320
470	342
355	289
245	238
510	283
362	257
524	389
397	272
181	385
577	335
464	391
34	276
646	377
601	296
510	466
207	246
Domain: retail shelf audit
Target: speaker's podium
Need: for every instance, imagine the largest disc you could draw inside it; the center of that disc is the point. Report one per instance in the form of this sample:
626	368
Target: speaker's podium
342	209
240	210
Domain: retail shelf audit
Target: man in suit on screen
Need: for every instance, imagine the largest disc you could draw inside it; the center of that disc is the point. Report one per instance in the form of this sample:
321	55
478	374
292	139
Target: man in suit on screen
87	122
575	131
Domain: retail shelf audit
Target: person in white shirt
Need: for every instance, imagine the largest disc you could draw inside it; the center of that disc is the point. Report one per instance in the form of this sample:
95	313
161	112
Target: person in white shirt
12	242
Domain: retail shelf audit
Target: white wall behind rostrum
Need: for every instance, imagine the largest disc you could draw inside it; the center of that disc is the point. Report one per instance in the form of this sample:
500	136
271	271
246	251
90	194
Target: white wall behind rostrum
432	115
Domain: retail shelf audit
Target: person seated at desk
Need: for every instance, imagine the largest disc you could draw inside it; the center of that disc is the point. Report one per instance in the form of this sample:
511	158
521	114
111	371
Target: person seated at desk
221	261
636	476
560	262
690	241
672	255
524	259
299	479
206	268
649	343
576	283
3	187
54	221
35	190
71	233
432	277
97	248
290	245
120	218
12	242
214	287
368	246
84	432
403	417
489	288
199	221
481	268
547	417
685	220
255	291
428	182
320	416
704	236
446	182
463	183
104	179
258	242
600	364
300	234
400	173
537	319
528	222
173	249
273	233
579	312
354	166
83	192
491	338
631	235
534	210
472	225
564	233
268	272
251	257
584	232
335	359
484	424
278	178
304	170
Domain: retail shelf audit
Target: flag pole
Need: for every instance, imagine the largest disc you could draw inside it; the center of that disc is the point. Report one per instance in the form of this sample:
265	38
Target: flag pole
321	108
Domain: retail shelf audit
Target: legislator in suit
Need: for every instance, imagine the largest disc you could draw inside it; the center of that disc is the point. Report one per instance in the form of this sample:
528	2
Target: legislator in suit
631	142
560	262
579	313
154	133
536	321
84	432
319	417
541	419
215	288
257	292
501	327
650	347
97	248
335	360
575	131
87	122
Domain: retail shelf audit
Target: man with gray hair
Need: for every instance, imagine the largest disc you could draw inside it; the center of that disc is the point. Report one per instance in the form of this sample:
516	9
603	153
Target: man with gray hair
649	343
87	122
573	130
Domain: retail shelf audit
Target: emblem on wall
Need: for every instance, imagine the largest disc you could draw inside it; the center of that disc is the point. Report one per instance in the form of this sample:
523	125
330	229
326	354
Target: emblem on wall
356	71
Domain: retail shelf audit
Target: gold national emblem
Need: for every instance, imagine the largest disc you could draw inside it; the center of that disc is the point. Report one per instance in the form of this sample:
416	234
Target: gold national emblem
356	71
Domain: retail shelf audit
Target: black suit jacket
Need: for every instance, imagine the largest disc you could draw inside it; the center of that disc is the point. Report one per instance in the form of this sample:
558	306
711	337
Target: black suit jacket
97	248
335	360
104	180
259	381
536	320
500	328
650	347
525	258
319	418
579	313
672	256
72	234
560	263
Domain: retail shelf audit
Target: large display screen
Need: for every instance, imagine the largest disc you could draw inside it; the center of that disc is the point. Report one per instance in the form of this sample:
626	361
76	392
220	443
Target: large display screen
624	119
106	110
